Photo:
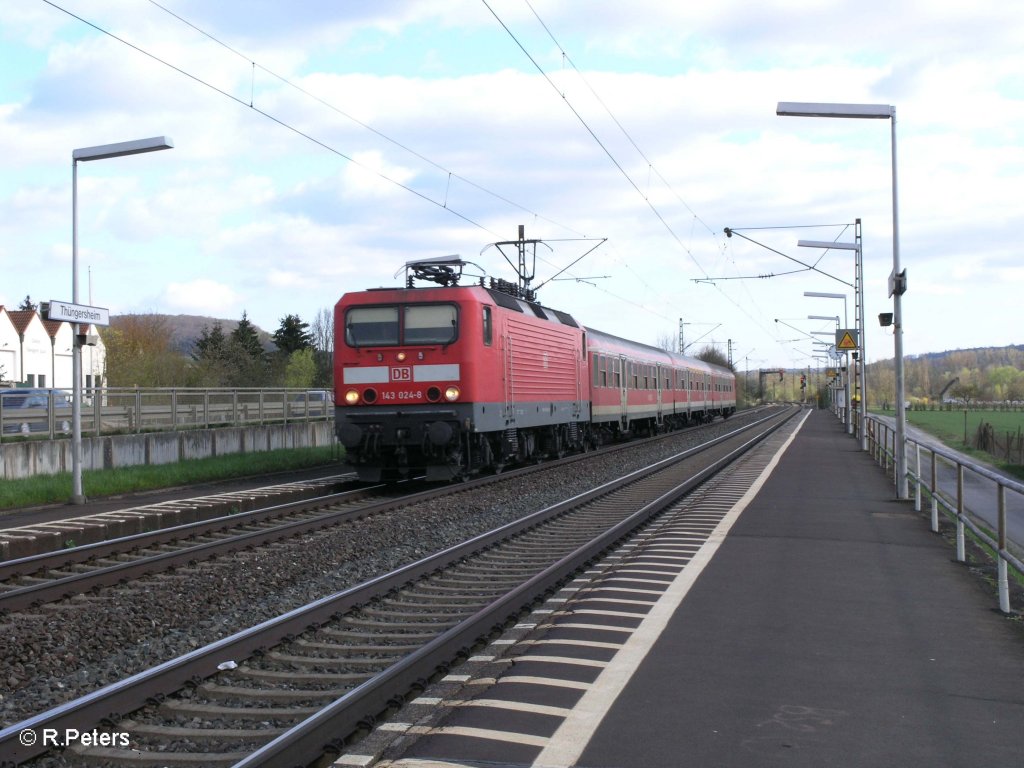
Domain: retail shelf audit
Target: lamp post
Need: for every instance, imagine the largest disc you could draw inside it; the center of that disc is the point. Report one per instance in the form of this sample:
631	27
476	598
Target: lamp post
898	278
848	420
861	382
101	152
834	357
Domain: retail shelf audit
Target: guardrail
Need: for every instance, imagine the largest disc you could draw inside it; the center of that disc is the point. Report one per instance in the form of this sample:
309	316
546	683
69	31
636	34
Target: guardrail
952	500
116	410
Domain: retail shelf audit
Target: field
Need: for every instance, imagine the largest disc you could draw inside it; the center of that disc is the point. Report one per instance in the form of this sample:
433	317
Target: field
956	429
952	427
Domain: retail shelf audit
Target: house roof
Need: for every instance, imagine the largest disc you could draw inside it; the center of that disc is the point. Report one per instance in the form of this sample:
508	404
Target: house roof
21	318
52	327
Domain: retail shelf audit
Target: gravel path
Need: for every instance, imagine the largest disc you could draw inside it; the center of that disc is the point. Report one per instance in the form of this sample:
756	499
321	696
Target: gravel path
81	644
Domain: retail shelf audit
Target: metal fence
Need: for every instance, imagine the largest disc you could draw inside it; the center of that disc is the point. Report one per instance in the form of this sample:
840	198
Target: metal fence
46	414
970	495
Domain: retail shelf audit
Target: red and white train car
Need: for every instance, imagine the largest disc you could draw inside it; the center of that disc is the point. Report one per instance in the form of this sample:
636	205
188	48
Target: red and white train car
452	380
639	388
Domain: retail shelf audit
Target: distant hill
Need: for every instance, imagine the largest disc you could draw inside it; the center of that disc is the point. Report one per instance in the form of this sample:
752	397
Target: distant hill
186	329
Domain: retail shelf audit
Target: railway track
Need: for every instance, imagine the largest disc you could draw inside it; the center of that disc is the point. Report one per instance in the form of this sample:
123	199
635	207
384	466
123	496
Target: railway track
28	583
277	693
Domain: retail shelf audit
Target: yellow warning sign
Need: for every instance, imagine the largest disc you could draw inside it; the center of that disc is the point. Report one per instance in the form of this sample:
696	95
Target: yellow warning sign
846	339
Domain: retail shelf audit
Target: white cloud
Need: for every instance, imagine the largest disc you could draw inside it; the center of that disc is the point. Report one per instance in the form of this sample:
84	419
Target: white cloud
201	296
246	212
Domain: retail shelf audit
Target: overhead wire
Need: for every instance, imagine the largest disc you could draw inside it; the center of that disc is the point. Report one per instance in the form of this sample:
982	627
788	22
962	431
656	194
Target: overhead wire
451	174
420	156
305	134
650	165
594	135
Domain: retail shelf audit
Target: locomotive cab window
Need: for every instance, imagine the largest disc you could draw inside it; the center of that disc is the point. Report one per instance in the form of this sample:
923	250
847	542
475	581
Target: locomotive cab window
430	324
371	326
488	329
394	325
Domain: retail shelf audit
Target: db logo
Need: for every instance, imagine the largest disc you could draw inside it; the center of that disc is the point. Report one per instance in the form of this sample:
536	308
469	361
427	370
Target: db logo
401	374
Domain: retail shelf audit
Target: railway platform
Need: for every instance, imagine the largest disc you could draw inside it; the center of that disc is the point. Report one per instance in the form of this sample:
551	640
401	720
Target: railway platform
827	627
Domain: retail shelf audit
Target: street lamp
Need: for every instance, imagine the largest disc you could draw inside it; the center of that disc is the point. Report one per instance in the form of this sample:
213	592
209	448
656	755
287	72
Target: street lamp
830	318
101	152
848	417
835	356
861	381
898	278
820	295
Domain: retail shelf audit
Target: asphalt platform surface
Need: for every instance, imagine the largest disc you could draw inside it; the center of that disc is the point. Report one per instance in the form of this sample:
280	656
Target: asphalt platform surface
832	628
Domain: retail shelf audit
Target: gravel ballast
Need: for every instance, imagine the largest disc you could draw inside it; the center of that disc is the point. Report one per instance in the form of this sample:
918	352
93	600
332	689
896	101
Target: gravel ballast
82	644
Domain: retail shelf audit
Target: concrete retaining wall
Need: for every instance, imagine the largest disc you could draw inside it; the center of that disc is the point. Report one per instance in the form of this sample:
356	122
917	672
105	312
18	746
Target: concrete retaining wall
47	457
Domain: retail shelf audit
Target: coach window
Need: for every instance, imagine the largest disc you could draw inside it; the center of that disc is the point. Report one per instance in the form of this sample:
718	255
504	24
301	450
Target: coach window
430	324
488	333
371	326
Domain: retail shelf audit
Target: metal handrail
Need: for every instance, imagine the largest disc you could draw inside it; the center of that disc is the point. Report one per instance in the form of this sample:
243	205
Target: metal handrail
882	446
111	410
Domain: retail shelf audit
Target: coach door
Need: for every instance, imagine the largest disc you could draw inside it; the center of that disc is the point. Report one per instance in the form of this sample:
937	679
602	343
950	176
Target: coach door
507	375
659	373
623	380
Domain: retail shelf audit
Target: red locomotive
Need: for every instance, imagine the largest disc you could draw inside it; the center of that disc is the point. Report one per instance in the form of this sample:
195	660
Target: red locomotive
452	380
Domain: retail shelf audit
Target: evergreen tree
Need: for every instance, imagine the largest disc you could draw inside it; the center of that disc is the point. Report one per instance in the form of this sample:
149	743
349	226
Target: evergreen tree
293	335
246	360
212	344
245	338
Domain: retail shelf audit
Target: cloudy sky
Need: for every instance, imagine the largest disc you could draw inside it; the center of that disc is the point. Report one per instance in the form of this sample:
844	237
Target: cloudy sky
319	145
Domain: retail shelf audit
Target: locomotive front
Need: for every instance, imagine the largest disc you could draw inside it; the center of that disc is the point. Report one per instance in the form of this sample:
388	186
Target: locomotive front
402	371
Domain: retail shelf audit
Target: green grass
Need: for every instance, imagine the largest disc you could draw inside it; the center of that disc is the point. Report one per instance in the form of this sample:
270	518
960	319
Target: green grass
50	489
949	427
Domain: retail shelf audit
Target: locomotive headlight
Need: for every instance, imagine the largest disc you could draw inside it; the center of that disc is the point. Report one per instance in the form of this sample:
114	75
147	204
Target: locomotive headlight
451	394
400	356
351	397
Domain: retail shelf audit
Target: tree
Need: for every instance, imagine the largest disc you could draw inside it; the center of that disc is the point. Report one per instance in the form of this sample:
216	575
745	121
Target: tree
322	332
246	360
27	304
667	341
711	355
300	369
246	338
212	344
211	355
293	335
139	353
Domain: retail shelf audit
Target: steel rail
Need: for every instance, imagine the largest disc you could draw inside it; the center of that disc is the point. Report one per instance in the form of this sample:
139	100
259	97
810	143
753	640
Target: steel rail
108	704
306	741
31	596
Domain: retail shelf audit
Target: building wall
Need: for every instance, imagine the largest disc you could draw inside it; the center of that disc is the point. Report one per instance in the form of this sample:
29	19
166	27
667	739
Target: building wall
9	354
36	354
40	354
46	457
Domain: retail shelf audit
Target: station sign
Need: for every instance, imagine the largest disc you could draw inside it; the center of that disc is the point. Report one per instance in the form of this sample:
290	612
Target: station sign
66	312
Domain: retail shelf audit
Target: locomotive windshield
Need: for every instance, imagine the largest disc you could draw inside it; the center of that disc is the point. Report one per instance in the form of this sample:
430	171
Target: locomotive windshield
394	325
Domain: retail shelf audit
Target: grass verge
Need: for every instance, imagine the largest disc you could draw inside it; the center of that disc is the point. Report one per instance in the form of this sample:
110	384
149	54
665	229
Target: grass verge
51	489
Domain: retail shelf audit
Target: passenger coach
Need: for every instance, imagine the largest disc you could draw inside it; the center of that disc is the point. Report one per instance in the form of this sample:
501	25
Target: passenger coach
451	380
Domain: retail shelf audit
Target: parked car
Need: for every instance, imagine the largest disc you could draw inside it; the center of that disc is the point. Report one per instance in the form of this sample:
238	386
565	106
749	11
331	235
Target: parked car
27	411
313	402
